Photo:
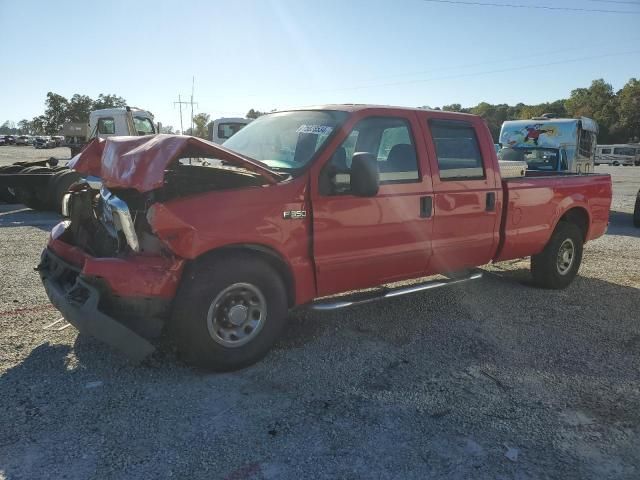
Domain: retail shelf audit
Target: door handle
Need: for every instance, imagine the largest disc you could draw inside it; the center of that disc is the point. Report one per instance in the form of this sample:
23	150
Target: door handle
491	201
426	207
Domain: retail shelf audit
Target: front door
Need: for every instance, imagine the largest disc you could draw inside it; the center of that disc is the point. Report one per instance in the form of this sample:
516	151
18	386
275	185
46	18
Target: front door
362	242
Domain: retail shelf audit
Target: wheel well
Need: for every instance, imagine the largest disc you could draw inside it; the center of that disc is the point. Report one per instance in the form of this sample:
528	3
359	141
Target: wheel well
268	255
579	217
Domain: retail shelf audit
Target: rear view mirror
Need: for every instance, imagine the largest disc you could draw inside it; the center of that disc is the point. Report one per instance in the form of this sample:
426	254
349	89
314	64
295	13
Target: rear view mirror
365	177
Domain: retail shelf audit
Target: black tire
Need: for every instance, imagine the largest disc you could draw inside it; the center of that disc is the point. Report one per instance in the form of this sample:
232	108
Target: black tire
6	195
546	267
33	197
59	184
201	284
636	212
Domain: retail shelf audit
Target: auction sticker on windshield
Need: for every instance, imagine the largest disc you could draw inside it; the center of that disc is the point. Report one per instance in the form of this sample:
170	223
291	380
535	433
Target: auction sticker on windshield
317	129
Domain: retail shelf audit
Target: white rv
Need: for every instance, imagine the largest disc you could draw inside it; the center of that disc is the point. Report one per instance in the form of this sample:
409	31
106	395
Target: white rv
619	154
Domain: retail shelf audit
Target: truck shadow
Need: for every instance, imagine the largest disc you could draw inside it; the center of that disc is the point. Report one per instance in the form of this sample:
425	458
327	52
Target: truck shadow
17	215
621	223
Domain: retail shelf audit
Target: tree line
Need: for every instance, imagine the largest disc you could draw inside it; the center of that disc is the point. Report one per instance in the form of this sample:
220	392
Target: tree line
617	113
60	110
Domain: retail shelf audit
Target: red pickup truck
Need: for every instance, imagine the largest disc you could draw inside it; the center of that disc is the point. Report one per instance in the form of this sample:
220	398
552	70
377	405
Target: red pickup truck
215	243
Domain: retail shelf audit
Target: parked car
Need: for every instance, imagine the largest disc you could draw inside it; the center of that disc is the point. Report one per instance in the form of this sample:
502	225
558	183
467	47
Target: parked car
44	142
296	207
2	140
58	140
22	140
10	139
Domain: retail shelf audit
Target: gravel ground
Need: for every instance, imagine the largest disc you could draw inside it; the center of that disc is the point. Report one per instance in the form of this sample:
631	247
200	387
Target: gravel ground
494	379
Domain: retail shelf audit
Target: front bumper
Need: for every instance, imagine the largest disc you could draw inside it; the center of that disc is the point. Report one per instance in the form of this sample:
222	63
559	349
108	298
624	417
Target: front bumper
79	302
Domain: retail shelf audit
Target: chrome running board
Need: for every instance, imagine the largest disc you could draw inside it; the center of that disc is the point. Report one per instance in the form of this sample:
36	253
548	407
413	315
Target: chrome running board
367	297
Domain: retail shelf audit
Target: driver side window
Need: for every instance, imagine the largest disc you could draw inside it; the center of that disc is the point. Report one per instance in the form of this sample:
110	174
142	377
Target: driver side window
389	139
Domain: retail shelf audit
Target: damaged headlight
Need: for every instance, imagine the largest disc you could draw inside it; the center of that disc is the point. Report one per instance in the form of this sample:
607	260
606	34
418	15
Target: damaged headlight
66	200
115	216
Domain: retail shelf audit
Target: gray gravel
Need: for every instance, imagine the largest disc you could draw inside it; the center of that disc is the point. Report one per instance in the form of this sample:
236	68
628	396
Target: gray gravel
492	380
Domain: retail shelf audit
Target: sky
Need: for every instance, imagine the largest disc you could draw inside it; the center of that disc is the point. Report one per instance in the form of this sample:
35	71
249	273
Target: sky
274	54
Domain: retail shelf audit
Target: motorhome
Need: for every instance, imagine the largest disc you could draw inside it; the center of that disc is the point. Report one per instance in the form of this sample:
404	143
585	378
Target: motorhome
620	154
551	144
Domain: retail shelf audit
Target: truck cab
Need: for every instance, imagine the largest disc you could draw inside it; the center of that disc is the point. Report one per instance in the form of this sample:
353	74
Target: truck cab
222	129
121	121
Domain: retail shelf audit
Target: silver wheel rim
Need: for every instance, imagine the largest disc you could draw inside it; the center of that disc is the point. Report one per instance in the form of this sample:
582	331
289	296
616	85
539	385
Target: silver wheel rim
566	255
237	315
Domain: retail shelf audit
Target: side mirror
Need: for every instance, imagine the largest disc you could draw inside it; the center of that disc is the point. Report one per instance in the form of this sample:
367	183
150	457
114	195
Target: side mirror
365	177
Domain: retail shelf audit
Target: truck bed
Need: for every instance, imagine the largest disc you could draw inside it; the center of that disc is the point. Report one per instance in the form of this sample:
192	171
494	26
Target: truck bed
533	205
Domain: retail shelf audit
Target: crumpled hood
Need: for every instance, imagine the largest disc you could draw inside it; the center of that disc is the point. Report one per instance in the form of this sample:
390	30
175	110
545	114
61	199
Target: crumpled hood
140	162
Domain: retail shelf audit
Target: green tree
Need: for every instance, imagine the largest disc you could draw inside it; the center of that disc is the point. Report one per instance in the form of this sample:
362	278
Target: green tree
200	123
79	107
108	101
629	111
38	125
598	102
254	113
24	126
55	113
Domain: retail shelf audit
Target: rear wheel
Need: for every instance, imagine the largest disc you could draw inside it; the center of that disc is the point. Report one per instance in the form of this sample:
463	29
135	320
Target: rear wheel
228	312
557	265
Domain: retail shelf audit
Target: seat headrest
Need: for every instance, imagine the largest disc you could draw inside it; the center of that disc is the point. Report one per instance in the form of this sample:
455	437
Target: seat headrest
402	158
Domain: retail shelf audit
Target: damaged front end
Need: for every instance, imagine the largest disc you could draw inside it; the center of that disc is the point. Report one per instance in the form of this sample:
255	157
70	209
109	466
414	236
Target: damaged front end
104	268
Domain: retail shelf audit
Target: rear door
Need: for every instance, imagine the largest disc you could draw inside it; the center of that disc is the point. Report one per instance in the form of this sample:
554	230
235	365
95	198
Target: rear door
362	242
467	193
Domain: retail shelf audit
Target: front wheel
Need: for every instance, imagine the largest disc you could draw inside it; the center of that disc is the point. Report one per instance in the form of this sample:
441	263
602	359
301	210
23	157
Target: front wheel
557	265
228	312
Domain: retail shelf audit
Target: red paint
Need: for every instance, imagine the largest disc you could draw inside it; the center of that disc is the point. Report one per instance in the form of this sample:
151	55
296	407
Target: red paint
131	276
140	162
345	242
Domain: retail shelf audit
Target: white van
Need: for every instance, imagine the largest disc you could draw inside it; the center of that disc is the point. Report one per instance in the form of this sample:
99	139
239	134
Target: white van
620	154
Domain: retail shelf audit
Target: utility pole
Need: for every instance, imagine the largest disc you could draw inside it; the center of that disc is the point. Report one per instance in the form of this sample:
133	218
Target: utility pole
180	103
193	81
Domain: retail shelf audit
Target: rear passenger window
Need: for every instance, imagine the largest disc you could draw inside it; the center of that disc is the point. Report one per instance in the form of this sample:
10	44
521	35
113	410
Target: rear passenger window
389	139
457	149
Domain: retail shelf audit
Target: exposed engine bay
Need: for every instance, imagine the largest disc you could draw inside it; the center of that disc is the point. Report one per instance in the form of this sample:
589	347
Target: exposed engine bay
108	222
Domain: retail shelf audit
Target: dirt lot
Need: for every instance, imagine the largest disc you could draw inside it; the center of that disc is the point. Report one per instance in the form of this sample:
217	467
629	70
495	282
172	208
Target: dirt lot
494	380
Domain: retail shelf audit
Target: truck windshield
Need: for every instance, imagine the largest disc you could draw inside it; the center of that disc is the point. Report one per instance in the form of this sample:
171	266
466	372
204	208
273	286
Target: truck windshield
547	159
286	140
143	125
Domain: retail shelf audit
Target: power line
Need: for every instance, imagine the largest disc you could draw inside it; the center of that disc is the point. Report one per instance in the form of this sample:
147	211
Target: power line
620	2
466	75
539	7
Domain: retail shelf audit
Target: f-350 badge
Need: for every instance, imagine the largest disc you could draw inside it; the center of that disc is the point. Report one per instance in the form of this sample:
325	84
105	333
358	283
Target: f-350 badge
293	214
